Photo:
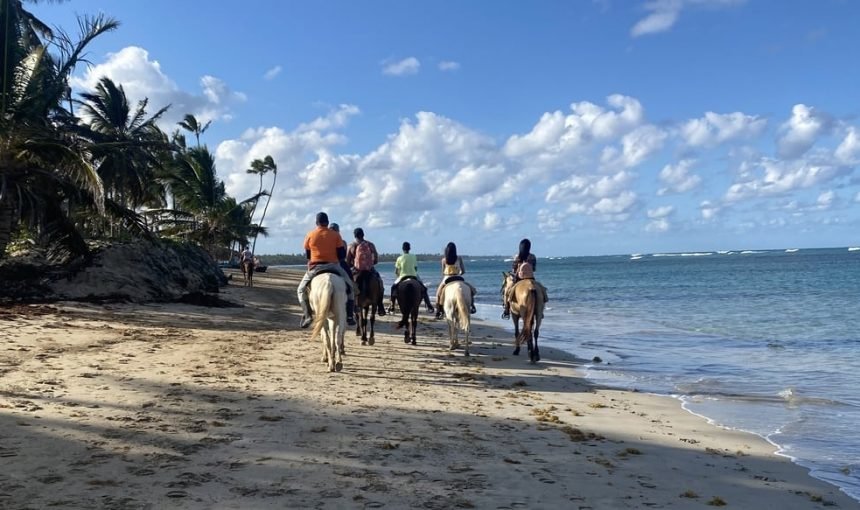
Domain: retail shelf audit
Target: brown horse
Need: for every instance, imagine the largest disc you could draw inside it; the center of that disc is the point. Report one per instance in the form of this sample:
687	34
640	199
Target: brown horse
369	294
527	302
409	294
248	272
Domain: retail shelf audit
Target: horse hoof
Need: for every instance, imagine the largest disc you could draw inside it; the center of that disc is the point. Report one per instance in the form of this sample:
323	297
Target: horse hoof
516	352
364	342
338	367
406	340
371	341
414	342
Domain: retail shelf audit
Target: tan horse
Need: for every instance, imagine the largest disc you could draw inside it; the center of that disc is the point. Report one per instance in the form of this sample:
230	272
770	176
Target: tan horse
328	303
527	302
456	301
248	272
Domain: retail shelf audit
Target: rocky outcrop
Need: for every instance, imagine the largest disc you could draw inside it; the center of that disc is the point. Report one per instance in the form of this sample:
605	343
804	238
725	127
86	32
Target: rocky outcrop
138	271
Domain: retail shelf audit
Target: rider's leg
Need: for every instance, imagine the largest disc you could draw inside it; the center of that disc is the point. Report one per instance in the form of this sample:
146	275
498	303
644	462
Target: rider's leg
426	297
303	298
439	310
506	314
474	291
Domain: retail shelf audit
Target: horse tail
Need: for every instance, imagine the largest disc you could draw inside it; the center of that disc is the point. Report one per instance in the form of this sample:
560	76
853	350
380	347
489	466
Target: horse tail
321	313
463	311
529	317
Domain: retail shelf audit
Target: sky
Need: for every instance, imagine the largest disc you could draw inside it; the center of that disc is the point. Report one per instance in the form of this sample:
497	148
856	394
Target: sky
590	127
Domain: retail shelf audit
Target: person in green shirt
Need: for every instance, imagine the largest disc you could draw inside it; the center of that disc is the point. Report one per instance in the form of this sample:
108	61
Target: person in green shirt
406	266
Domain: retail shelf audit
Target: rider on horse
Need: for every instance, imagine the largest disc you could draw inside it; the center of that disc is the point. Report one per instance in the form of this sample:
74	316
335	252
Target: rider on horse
361	255
323	248
452	270
523	268
406	266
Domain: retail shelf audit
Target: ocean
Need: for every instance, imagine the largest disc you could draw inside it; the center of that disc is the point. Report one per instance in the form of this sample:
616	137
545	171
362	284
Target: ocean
761	341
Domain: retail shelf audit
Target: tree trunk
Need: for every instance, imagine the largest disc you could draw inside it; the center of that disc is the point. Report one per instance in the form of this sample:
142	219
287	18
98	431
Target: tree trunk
266	208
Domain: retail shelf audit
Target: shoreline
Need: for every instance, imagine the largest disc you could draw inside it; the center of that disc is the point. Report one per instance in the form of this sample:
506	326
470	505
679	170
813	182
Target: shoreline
176	406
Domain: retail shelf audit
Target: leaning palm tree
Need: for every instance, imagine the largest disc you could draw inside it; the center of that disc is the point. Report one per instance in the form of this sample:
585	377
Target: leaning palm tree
191	124
43	166
261	167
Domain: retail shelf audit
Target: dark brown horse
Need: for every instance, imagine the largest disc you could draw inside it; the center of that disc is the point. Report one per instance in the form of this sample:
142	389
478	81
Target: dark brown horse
409	294
369	294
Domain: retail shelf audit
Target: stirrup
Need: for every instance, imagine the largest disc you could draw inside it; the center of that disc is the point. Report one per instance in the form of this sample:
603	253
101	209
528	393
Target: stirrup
506	314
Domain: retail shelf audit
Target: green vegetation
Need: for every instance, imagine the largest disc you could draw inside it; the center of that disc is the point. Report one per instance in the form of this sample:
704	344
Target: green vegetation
75	170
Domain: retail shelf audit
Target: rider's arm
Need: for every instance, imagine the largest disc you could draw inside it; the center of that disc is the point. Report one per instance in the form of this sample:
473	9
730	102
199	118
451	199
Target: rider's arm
462	266
308	254
533	261
341	252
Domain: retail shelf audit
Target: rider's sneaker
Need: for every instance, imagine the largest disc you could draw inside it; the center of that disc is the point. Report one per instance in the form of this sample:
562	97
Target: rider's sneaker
472	309
350	321
506	315
439	313
306	321
430	309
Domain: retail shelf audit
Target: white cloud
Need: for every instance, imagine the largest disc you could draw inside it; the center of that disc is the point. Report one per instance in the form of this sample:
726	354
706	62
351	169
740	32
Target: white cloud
273	72
709	210
336	118
663	14
801	131
448	65
556	135
826	200
661	212
142	78
848	152
636	147
770	177
678	178
857	197
714	128
659	219
492	221
407	66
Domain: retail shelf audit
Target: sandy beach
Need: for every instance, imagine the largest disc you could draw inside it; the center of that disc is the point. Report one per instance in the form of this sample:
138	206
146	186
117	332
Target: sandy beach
132	406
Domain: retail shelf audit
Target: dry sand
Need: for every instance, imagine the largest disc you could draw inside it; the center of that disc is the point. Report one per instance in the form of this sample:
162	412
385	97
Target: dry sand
176	406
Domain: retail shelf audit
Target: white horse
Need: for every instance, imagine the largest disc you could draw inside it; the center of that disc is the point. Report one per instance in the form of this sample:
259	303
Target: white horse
457	300
328	303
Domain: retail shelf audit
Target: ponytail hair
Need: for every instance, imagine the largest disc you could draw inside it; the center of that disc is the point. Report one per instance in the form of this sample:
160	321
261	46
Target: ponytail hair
451	254
525	249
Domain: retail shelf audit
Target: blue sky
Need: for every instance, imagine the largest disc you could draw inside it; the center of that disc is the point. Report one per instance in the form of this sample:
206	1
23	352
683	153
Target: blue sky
591	127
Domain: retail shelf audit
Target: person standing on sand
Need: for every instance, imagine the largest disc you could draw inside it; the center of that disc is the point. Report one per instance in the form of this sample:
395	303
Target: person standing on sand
452	266
523	268
406	265
361	255
324	248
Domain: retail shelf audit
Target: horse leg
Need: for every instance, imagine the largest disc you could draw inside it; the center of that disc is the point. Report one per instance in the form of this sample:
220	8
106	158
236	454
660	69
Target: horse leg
337	347
468	333
536	334
371	340
414	326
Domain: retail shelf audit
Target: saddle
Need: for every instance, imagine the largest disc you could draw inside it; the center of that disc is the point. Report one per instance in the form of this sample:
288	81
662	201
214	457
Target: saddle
322	271
452	279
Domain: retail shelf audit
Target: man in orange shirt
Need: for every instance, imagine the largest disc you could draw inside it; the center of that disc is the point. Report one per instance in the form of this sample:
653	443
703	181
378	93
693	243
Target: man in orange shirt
324	248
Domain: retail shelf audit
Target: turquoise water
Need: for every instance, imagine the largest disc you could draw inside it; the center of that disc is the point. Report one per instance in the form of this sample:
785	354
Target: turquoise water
761	341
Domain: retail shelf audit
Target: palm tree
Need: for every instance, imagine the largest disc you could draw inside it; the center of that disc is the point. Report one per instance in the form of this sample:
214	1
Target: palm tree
125	144
43	165
261	167
190	123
